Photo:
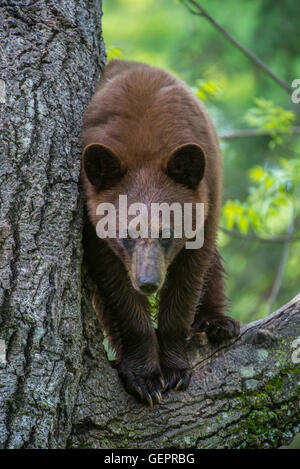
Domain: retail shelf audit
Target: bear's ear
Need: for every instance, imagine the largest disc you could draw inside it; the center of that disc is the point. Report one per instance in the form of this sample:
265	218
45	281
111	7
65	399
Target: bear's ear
186	165
102	167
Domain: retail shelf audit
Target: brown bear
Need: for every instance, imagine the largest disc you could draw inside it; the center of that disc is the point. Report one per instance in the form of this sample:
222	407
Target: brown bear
147	136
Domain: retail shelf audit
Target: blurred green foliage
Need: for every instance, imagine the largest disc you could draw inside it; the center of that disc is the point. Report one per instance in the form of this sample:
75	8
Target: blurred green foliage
261	174
275	119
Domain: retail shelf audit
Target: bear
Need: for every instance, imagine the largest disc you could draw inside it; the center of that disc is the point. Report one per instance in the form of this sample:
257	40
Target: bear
147	136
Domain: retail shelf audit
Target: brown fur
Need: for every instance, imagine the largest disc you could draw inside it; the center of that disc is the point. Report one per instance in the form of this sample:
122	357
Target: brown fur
143	115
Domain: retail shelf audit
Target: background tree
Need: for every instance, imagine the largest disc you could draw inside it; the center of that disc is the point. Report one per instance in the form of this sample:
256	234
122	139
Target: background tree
56	387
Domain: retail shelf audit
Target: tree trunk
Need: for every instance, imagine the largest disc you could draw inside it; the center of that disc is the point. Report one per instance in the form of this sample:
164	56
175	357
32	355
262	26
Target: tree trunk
57	389
51	57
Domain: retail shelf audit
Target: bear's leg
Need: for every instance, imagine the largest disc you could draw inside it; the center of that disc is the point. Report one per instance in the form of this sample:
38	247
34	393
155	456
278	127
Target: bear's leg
125	318
131	335
210	315
178	300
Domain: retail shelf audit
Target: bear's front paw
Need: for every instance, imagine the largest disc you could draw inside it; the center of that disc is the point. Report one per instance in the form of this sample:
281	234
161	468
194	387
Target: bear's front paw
178	378
222	330
145	385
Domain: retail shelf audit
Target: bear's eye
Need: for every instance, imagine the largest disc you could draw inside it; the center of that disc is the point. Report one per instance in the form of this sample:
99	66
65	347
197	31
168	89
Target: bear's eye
166	238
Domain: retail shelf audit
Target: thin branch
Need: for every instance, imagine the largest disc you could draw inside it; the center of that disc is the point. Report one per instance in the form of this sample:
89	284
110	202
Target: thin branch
257	62
289	150
252	237
245	133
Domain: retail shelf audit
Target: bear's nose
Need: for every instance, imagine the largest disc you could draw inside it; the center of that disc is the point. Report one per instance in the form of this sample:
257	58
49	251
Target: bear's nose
148	285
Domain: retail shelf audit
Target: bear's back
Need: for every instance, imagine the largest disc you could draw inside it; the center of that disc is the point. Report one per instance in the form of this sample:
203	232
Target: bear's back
143	113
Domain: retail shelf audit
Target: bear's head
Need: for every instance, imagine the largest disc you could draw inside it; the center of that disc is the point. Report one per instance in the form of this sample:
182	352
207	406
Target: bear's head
139	209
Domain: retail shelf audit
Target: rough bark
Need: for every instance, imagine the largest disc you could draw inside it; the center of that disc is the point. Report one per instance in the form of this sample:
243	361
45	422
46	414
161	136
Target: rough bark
244	395
51	56
57	388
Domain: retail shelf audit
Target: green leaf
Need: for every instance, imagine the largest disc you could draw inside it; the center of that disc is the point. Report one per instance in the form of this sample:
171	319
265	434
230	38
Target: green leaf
256	173
275	119
114	52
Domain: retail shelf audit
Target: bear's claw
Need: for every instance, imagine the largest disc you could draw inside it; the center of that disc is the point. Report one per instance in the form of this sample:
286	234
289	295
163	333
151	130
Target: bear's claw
146	386
177	378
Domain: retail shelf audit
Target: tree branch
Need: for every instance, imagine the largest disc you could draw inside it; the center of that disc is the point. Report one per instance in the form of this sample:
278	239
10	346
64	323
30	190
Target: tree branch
245	133
253	237
243	395
199	11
